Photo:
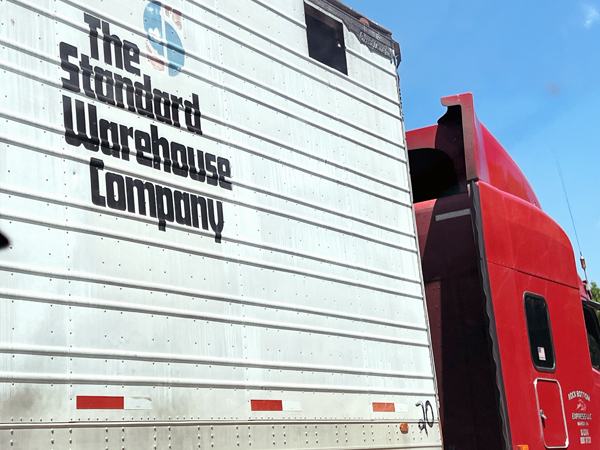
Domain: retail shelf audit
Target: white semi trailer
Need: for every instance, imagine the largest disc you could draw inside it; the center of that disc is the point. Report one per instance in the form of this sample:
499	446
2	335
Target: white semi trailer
211	236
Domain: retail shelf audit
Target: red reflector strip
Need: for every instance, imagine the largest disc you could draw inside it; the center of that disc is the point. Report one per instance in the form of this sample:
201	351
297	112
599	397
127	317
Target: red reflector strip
384	407
100	402
266	405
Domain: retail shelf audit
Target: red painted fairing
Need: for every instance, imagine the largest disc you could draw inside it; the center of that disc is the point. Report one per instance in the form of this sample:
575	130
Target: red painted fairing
528	252
526	239
421	137
485	158
521	249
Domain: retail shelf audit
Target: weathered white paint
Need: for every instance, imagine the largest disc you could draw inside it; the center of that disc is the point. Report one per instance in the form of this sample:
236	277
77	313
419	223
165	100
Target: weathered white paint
313	296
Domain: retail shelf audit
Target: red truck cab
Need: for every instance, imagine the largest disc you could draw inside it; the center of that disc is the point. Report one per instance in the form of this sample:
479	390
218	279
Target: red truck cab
516	353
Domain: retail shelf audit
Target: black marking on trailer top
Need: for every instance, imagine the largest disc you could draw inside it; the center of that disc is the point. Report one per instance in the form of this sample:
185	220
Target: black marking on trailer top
373	36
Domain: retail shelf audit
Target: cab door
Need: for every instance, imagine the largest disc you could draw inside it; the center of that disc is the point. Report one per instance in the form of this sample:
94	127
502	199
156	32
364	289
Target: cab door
547	390
553	422
542	348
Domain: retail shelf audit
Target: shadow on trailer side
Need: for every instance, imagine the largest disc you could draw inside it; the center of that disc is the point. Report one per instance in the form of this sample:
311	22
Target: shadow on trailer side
516	358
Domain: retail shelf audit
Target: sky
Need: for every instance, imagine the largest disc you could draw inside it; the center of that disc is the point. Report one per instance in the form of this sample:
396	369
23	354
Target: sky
534	70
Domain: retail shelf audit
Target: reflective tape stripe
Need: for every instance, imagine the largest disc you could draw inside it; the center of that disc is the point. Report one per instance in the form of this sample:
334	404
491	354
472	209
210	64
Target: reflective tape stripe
275	405
266	405
384	407
107	402
452	215
100	402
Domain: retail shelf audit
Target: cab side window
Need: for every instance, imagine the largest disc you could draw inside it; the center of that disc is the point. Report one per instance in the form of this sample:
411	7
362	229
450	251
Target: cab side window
593	333
540	332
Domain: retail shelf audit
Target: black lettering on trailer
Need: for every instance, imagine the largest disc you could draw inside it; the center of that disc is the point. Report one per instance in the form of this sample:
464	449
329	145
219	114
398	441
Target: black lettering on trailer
124	83
115	191
143	147
142	188
96	165
111	147
179	159
117	44
76	138
181	201
104	85
86	75
143	97
160	202
162	106
192	114
158	144
152	149
428	416
71	83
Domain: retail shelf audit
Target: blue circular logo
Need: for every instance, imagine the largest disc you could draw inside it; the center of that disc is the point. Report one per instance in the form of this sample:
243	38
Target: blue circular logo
164	45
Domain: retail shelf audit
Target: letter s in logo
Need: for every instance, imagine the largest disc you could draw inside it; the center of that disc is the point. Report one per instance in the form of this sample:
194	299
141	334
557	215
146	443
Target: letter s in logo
164	46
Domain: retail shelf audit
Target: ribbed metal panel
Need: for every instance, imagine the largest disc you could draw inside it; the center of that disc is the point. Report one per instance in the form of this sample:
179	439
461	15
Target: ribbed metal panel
299	281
